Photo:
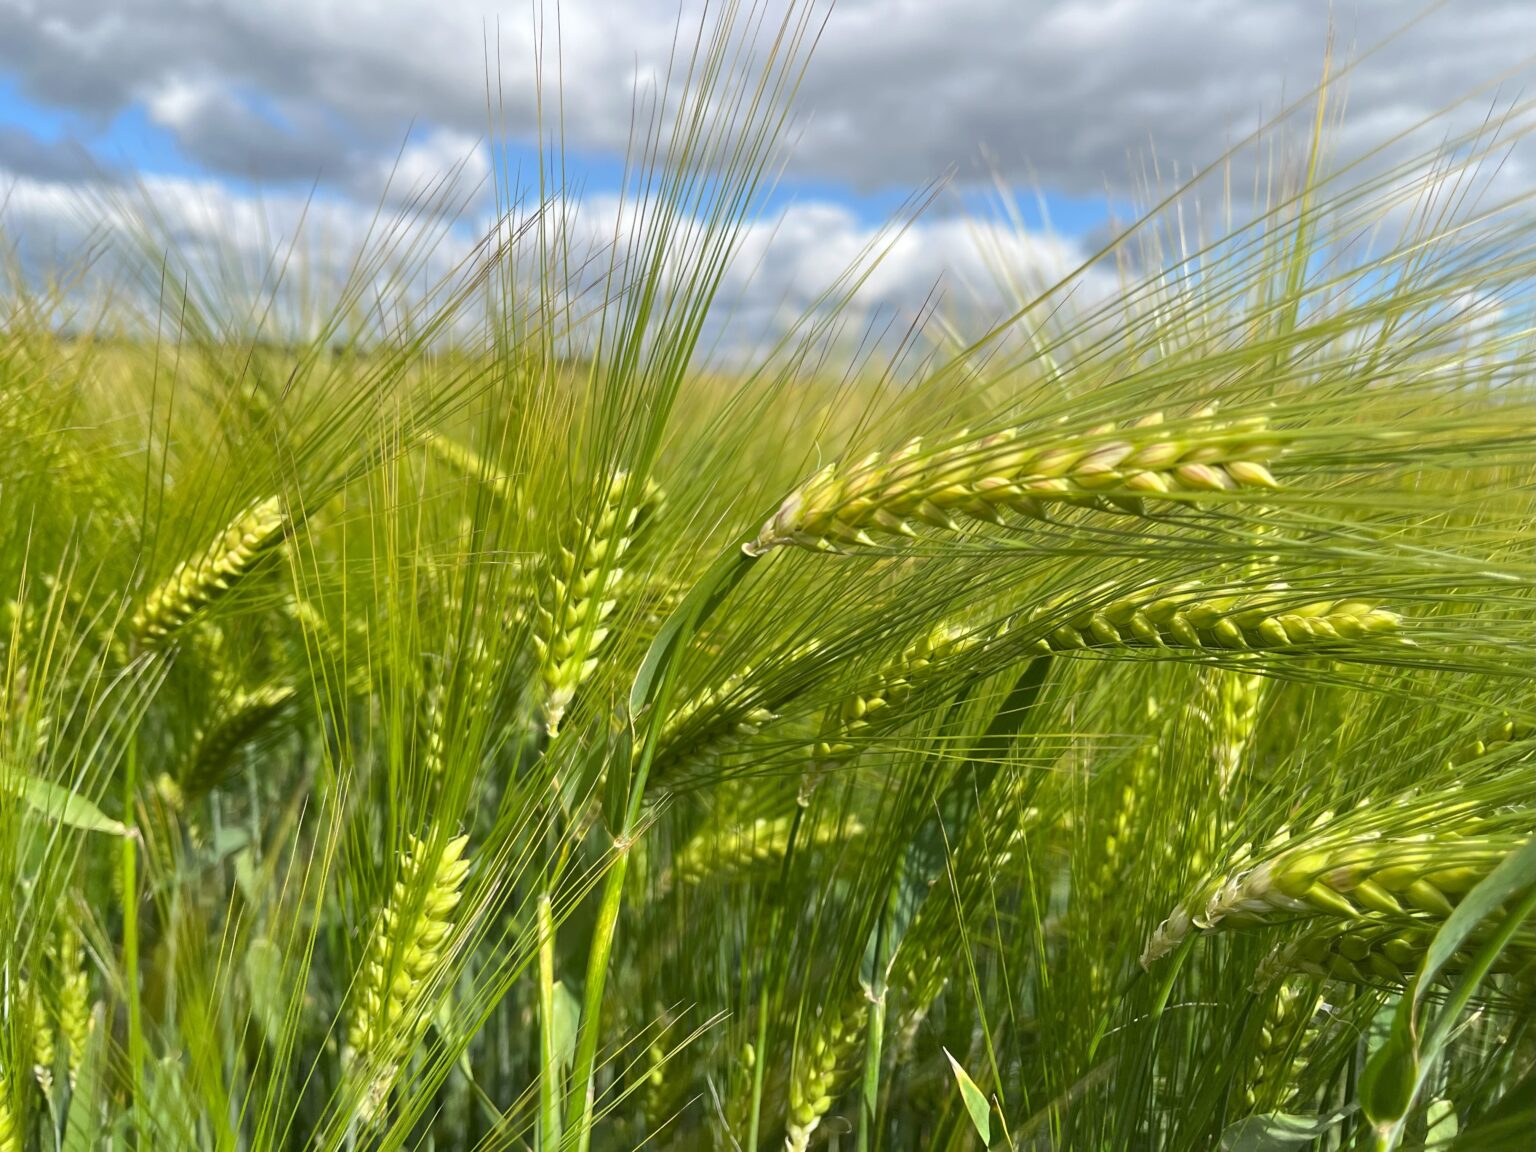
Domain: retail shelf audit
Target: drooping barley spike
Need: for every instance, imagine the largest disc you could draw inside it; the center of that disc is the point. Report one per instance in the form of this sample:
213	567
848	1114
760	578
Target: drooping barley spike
741	705
244	717
572	623
1498	735
1232	702
1138	779
475	466
816	1079
1281	1042
74	1002
44	1053
213	573
712	855
1009	471
1353	869
1376	955
10	1126
1184	617
878	698
407	948
474	685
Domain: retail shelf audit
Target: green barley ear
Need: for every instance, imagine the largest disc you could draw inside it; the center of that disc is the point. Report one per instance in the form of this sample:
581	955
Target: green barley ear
408	945
572	624
243	718
711	855
1352	870
74	1000
982	478
476	685
815	1080
1281	1043
200	581
888	688
44	1052
1389	954
1184	617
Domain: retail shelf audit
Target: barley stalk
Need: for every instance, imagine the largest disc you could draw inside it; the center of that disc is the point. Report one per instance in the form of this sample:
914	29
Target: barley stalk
572	624
213	573
984	477
405	952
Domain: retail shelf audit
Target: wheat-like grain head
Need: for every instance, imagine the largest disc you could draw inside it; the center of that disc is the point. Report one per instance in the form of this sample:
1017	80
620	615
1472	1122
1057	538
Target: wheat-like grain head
1282	1042
213	573
246	715
572	623
984	477
476	467
711	856
815	1080
404	954
1185	616
1354	871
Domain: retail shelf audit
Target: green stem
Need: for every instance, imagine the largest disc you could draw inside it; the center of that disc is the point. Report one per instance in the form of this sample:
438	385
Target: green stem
129	865
650	697
549	1054
775	921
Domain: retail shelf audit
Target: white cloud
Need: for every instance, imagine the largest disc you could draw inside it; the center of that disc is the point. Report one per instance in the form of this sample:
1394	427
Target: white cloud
783	262
1064	91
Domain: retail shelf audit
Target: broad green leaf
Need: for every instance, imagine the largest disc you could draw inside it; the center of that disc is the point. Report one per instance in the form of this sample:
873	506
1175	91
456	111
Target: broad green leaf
975	1100
1276	1132
1395	1071
264	982
63	806
679	627
567	1020
82	1127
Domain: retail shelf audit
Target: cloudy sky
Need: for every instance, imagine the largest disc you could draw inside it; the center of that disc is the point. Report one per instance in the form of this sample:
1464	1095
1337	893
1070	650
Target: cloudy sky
216	107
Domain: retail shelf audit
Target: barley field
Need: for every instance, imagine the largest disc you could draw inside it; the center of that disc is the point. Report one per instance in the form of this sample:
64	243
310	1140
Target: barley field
479	708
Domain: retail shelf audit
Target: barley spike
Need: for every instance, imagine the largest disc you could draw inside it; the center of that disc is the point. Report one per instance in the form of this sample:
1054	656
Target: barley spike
1106	468
200	581
408	944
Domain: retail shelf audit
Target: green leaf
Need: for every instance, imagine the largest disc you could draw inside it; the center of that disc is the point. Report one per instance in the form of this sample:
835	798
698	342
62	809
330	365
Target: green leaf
1515	872
264	982
1507	1126
1276	1131
82	1128
679	627
567	1019
62	806
1390	1079
975	1101
1395	1071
